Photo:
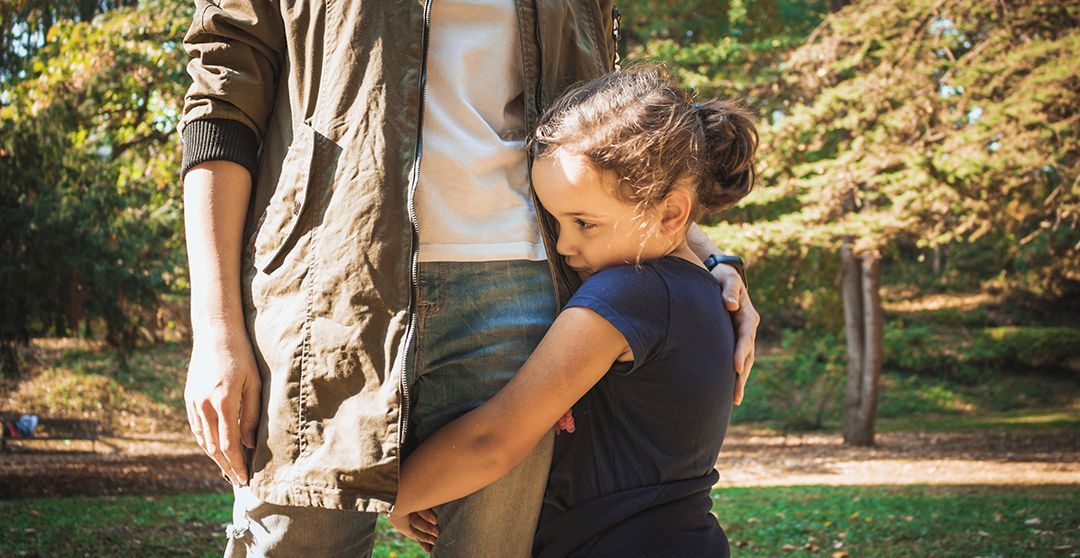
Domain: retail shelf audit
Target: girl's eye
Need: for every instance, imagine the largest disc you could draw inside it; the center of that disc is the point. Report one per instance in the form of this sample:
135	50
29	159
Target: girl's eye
584	225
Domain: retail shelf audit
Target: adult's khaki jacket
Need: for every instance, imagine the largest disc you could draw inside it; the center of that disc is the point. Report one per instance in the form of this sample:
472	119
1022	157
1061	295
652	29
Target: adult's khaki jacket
322	100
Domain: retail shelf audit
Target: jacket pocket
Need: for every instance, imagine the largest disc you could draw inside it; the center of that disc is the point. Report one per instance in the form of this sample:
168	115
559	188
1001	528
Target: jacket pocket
277	229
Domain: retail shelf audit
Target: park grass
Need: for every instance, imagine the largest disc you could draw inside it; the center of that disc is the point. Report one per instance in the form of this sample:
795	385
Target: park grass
830	521
1043	421
142	393
900	521
1002	400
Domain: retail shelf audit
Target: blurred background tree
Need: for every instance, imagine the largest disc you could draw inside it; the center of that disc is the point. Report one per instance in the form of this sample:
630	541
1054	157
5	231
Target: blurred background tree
89	209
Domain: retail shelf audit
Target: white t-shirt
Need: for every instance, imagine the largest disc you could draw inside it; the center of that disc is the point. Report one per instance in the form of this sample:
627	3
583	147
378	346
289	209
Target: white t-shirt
472	200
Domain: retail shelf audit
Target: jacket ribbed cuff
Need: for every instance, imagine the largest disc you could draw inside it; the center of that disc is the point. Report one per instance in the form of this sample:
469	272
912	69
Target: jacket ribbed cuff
219	140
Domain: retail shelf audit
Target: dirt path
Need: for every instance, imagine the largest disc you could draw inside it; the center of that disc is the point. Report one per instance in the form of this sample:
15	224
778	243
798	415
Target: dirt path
902	458
172	464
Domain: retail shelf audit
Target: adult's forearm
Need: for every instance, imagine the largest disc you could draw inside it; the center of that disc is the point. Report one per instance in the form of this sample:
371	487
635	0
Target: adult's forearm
700	244
215	204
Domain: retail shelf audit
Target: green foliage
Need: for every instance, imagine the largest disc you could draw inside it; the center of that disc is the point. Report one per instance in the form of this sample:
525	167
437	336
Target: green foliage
911	126
931	371
905	396
990	399
88	160
924	349
730	48
966	354
1027	347
24	25
692	21
801	388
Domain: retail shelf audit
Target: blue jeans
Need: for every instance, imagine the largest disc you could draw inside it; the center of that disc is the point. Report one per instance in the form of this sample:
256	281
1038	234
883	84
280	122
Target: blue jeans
477	323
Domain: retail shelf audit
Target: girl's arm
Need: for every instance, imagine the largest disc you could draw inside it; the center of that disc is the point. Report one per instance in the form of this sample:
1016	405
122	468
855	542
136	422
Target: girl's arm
485	444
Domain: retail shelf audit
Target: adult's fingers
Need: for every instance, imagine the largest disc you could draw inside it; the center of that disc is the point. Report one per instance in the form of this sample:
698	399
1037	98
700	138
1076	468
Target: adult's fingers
209	418
741	378
745	348
734	289
746	325
733	293
229	441
195	424
249	411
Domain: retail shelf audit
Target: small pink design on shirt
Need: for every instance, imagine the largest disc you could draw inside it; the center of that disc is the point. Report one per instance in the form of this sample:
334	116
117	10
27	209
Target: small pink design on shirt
566	423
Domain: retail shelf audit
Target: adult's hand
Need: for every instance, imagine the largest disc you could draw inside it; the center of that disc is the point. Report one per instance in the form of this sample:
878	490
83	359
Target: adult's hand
222	398
746	318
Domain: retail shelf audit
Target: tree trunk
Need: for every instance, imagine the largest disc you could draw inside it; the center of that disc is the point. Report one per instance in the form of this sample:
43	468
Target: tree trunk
851	290
87	9
862	431
835	5
9	360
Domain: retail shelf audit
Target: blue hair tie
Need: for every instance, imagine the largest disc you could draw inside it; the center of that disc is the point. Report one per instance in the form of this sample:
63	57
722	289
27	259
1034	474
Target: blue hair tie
695	105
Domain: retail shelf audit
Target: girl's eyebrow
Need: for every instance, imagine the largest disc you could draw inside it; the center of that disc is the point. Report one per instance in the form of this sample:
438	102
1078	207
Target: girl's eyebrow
580	214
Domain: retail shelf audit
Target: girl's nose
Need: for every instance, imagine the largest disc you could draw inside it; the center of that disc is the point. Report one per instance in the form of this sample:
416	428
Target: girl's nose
564	246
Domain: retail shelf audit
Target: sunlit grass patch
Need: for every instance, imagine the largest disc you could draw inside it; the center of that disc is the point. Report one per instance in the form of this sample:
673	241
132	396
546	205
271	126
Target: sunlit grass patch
899	522
878	521
86	380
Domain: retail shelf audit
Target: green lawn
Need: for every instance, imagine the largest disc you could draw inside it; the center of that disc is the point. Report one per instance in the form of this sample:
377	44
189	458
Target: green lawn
802	520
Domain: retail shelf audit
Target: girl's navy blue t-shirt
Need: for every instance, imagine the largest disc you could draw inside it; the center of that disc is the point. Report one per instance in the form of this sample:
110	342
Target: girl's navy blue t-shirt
634	477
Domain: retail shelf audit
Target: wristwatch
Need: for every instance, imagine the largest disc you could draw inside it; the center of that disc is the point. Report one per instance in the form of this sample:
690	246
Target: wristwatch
734	261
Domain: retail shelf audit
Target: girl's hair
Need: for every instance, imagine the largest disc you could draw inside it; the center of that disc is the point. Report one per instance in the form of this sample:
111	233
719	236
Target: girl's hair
643	127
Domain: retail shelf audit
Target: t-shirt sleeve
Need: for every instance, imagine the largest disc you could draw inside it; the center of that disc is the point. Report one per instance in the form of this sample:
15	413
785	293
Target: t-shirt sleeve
633	299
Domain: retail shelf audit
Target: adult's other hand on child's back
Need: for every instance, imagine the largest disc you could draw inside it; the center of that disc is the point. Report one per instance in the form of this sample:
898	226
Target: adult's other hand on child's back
746	318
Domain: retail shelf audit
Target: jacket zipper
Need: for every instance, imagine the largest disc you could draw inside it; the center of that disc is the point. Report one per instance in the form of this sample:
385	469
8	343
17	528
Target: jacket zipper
539	58
414	269
553	265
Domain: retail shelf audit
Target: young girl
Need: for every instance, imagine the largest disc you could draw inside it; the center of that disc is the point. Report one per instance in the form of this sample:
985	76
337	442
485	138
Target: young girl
644	349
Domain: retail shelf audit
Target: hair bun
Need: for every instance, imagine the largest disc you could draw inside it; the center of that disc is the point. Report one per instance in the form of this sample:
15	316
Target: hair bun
727	156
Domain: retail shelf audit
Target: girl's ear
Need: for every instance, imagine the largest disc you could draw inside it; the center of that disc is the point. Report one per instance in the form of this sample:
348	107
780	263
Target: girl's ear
675	211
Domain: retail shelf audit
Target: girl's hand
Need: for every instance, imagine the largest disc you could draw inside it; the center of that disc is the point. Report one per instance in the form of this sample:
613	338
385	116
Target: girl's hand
421	526
746	318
